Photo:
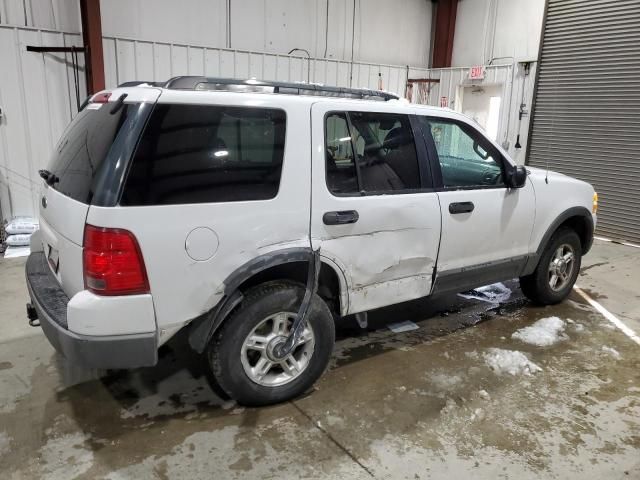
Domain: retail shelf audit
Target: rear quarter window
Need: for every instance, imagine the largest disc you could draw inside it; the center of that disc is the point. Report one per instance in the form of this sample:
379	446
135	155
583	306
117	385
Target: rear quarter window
205	154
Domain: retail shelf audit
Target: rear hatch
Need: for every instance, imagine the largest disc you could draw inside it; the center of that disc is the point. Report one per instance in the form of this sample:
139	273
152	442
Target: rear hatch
87	168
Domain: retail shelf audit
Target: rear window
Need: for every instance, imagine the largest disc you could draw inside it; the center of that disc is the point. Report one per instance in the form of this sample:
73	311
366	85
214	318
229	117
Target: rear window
203	154
92	137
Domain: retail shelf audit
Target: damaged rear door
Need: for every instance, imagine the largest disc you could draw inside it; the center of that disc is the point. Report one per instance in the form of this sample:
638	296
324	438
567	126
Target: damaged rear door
374	211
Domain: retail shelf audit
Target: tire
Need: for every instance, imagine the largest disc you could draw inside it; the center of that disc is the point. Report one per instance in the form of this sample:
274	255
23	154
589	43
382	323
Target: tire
234	362
538	286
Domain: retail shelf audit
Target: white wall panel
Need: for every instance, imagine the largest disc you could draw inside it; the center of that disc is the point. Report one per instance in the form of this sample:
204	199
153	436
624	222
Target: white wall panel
37	97
386	31
487	29
186	21
63	15
128	60
393	32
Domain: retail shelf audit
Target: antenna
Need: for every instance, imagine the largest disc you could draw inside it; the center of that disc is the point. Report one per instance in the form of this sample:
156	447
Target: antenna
546	177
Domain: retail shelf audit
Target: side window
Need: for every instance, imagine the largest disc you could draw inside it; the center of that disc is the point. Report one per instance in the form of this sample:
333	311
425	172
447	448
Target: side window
385	153
466	158
204	154
342	177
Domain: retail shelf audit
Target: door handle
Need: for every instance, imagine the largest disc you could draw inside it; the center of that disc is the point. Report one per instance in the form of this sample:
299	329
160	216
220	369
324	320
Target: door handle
461	207
341	217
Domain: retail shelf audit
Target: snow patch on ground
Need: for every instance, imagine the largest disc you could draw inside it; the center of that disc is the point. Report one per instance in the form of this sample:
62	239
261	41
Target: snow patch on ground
445	382
5	441
509	361
478	414
494	293
612	351
543	333
484	395
449	406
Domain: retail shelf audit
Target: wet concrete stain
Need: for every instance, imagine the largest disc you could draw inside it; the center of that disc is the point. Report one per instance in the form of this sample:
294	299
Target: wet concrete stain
6	365
414	405
583	270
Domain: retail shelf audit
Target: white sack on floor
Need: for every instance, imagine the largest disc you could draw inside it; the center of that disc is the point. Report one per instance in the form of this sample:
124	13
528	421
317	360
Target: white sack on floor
22	240
21	225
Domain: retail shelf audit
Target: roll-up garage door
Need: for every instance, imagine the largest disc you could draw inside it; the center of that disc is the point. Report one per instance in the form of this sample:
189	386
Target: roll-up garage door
586	114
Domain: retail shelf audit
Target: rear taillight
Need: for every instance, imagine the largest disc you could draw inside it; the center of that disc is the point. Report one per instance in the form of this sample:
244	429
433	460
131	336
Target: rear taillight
113	263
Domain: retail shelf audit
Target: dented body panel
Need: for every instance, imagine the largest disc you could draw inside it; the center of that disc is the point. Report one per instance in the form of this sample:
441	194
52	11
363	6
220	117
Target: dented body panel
388	256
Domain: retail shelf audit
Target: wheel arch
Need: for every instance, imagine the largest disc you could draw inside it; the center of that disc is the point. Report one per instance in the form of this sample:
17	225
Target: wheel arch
287	264
577	218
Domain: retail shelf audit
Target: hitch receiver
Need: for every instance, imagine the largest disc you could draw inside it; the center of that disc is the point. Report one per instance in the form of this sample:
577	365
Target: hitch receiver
32	315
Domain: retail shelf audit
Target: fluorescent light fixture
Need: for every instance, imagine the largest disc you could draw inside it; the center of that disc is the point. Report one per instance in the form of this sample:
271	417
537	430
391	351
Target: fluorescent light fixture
221	153
344	139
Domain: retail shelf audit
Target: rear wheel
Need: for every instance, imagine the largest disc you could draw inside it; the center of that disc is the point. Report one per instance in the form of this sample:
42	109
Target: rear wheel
557	271
241	354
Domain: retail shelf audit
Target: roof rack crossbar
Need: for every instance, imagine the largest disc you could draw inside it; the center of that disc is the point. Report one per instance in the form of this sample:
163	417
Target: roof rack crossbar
291	88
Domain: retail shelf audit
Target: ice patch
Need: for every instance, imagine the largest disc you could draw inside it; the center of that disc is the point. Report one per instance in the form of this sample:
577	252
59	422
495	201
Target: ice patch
445	382
509	361
401	327
478	414
612	351
494	293
471	355
543	333
449	406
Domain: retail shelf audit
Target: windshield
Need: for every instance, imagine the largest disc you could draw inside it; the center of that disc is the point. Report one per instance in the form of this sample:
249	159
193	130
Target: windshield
92	137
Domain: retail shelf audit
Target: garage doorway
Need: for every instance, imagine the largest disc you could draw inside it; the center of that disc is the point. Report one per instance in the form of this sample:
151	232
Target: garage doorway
482	103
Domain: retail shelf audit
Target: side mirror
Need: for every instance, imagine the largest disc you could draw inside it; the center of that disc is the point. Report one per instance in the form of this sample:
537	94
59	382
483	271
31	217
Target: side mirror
517	177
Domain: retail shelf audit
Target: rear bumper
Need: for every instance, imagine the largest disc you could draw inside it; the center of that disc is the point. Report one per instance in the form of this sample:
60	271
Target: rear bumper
91	351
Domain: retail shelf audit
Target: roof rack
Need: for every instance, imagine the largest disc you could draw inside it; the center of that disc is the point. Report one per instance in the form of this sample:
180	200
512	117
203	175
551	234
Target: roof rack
135	83
289	88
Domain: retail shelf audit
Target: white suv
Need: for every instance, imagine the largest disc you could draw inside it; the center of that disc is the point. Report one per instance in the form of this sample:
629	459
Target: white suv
255	214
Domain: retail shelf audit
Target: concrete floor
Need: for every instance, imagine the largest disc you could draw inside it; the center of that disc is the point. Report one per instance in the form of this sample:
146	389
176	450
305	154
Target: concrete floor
421	404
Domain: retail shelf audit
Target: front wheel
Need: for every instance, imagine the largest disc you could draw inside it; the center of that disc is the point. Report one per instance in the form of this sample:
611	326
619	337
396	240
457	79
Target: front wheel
556	273
241	353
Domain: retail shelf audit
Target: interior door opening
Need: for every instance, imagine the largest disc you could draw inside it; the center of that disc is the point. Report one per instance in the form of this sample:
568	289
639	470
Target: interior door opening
483	103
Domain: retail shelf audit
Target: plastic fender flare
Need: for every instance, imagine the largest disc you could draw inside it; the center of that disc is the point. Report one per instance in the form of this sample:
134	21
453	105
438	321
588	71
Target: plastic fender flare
583	212
204	327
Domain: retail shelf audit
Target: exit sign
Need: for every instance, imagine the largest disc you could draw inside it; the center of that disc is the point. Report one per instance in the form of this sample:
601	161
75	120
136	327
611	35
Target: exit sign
477	72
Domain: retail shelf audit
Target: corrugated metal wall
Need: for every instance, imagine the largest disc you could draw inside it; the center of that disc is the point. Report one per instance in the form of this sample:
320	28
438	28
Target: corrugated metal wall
38	100
131	59
586	119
